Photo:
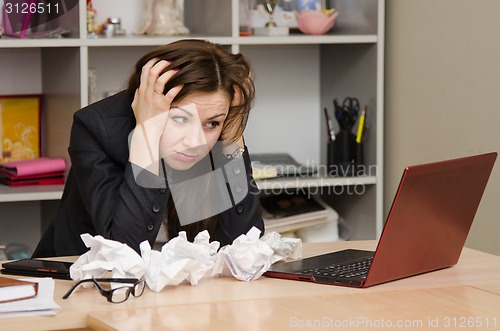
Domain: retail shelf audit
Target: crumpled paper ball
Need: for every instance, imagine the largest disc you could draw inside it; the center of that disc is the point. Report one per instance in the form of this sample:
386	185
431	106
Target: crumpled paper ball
247	258
283	248
179	260
107	256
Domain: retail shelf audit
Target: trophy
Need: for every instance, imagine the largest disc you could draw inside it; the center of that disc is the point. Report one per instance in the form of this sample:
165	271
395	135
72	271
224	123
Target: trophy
271	28
270	6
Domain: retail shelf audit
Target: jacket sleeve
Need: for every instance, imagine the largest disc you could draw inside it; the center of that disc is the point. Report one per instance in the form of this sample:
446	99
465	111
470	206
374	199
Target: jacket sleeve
119	209
246	212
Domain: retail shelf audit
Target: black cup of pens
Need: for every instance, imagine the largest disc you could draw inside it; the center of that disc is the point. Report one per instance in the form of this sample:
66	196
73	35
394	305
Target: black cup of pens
345	147
345	155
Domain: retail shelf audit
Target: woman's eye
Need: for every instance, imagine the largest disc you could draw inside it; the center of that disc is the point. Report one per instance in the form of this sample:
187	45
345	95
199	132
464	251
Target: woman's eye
212	125
180	119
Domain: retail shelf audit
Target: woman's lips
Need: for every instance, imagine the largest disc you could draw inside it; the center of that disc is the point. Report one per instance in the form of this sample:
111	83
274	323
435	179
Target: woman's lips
184	157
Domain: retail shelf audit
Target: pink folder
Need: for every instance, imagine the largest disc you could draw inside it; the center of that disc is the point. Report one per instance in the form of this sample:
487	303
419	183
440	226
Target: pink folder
32	167
39	181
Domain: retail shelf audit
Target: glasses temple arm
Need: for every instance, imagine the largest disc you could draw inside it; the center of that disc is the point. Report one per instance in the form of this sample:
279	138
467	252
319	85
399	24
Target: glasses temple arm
118	280
75	285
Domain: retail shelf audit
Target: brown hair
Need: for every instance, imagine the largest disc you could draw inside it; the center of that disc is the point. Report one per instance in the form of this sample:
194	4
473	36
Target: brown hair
203	67
206	67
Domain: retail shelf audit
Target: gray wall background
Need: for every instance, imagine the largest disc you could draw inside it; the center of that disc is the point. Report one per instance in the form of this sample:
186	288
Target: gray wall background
442	94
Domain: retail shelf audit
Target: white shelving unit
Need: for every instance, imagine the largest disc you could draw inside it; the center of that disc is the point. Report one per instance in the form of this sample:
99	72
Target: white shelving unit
296	76
30	193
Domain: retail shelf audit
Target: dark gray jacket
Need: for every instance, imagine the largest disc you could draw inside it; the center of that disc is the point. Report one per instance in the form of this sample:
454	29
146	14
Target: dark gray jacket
101	196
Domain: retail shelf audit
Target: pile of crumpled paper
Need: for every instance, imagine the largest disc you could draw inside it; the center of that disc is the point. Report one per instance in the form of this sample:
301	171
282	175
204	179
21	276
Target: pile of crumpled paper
179	260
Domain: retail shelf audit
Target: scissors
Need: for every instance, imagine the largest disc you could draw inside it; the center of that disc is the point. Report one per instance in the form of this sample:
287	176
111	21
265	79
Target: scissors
347	114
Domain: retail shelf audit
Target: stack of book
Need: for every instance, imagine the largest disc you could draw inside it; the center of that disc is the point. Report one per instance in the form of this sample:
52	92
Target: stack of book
22	297
38	171
14	289
288	212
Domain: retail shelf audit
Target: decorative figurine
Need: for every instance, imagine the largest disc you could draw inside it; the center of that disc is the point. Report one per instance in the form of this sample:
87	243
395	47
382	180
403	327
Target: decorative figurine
163	17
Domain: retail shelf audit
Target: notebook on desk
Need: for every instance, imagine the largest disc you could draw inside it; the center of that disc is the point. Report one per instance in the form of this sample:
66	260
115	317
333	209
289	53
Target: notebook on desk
425	230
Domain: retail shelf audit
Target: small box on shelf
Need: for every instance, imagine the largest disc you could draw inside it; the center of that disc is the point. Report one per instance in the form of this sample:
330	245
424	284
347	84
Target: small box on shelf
272	31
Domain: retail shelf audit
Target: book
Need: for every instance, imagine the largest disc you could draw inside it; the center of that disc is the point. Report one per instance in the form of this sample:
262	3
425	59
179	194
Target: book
39	171
34	181
263	171
41	305
37	166
9	176
289	204
293	211
12	289
271	165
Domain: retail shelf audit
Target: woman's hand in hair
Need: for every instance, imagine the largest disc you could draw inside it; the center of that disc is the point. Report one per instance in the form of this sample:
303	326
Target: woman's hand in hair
151	106
150	99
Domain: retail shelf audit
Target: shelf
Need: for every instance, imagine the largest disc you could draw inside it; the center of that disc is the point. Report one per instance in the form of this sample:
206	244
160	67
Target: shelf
54	192
33	43
296	76
304	40
30	193
313	182
132	40
139	40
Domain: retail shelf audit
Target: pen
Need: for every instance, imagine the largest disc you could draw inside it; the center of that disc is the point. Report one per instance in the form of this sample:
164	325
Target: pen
361	125
329	126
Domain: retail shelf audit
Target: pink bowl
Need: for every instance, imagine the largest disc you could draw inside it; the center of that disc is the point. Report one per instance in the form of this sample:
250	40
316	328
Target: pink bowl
315	22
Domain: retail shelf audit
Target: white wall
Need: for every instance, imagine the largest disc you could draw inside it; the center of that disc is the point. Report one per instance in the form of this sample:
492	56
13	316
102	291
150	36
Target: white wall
442	93
292	125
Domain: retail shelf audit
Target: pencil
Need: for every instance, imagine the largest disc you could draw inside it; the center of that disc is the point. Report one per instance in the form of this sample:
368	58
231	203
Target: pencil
361	126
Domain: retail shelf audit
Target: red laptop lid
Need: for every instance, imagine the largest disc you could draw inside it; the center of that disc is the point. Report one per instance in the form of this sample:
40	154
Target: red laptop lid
430	217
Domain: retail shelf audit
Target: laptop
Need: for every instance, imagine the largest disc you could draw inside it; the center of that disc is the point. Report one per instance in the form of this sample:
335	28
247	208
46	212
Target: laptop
425	230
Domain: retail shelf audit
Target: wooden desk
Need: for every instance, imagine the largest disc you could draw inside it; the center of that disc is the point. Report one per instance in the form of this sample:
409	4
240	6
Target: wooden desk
471	288
460	307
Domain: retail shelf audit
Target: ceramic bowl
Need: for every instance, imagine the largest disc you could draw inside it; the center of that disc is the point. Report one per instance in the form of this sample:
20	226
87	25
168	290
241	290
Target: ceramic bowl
315	22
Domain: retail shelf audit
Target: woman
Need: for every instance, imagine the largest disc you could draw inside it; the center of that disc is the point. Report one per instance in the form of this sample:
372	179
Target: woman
166	153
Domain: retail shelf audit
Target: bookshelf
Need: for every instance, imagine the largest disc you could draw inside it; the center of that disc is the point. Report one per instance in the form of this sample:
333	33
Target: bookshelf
30	193
296	76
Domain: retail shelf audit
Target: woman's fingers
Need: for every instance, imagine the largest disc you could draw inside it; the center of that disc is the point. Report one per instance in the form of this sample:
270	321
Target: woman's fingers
149	99
154	74
145	72
160	82
172	93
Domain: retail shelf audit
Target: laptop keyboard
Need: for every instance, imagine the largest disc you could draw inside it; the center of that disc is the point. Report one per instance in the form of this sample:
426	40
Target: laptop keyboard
350	270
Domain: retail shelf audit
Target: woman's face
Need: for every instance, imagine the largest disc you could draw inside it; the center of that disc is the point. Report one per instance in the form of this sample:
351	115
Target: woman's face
193	127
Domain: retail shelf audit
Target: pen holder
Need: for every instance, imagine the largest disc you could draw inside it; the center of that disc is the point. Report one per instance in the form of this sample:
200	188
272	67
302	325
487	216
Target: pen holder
345	156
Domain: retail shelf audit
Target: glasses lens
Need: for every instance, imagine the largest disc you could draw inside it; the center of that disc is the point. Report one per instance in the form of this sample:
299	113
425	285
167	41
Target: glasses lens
120	294
139	288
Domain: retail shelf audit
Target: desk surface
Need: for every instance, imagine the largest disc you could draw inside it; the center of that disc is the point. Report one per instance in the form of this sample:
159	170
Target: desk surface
469	289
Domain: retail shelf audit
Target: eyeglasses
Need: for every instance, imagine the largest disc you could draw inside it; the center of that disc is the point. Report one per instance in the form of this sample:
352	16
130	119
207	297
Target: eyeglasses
117	294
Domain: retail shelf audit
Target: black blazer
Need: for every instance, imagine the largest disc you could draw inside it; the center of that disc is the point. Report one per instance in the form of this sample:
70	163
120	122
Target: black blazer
101	196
